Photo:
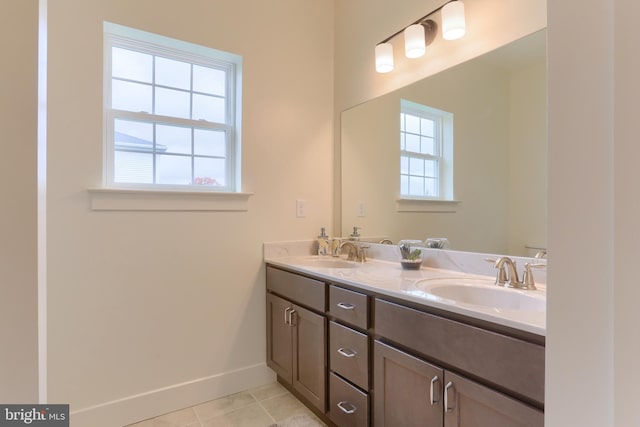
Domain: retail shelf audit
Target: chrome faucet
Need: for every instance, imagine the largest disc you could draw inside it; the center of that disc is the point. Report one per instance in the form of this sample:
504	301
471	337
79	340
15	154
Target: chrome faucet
356	252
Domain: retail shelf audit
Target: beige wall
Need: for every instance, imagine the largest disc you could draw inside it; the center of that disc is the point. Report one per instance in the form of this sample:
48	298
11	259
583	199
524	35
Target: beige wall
18	245
153	311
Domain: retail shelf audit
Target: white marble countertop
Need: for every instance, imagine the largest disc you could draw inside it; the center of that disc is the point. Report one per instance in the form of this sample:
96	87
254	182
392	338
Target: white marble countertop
386	277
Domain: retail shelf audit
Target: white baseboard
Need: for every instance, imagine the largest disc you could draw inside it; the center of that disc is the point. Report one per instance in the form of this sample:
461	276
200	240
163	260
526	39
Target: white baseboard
150	404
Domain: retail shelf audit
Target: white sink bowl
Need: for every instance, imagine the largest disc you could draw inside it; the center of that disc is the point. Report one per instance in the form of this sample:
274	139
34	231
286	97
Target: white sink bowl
326	262
471	292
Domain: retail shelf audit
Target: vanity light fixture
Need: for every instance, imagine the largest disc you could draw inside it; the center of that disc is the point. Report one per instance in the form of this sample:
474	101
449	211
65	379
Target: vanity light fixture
421	33
453	22
384	57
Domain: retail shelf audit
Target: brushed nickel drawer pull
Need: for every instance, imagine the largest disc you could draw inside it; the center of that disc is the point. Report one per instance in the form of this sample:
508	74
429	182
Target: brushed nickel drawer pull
291	313
432	392
347	352
346	305
345	410
446	397
286	315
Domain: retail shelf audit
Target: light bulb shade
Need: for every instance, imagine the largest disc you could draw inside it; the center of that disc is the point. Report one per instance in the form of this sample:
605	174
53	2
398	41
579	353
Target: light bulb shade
414	44
453	23
384	57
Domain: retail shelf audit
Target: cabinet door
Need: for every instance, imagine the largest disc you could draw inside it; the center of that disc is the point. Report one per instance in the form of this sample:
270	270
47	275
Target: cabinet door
279	336
471	404
407	391
309	355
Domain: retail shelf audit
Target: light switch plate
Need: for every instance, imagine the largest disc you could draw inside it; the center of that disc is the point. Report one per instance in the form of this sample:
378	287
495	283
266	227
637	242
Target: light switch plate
301	208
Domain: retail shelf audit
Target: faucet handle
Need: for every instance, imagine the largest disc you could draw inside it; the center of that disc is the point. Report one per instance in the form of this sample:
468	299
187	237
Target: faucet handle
527	280
501	277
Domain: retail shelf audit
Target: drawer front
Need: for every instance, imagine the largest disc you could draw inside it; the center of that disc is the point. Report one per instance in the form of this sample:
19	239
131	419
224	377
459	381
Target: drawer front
349	354
348	306
348	406
299	289
513	364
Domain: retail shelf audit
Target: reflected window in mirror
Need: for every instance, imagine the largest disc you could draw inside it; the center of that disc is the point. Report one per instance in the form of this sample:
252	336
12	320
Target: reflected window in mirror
426	152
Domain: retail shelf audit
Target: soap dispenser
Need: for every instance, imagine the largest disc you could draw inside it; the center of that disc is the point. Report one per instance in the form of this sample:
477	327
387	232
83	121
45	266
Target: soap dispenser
355	235
323	242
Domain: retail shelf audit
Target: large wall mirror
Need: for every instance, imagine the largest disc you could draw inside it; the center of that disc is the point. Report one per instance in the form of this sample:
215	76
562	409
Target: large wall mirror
499	107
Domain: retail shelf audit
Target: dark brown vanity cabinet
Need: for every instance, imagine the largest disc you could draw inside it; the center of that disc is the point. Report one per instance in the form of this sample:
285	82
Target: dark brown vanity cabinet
409	391
363	360
297	337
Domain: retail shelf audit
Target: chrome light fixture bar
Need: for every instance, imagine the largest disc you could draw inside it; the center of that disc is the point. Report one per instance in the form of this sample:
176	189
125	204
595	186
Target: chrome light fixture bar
421	34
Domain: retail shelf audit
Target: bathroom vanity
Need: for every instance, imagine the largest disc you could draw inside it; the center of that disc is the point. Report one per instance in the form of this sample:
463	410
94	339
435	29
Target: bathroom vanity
367	344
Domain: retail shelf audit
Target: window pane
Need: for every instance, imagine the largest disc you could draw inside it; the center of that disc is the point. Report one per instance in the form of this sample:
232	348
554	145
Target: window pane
431	187
173	170
133	167
133	135
131	65
416	186
404	185
173	139
173	73
209	80
416	167
426	127
431	168
208	108
130	96
427	146
412	124
209	172
402	115
412	143
210	143
404	165
173	103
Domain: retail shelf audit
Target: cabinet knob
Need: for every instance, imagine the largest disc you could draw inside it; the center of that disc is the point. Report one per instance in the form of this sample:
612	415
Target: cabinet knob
346	410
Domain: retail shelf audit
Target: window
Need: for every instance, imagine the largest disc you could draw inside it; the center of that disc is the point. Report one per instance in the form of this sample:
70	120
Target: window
426	152
172	114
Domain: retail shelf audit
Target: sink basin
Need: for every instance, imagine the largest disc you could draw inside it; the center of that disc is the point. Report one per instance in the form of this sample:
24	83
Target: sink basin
326	262
484	295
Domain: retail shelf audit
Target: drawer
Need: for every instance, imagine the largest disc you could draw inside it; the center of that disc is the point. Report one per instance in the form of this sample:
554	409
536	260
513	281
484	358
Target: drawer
299	289
348	306
348	406
349	354
511	363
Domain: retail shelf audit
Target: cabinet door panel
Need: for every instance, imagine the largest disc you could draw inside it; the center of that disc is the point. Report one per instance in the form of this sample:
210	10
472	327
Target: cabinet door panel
472	404
402	390
309	355
279	337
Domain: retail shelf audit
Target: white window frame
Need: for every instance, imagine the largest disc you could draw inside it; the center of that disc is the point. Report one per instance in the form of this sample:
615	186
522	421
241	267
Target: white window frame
120	36
443	141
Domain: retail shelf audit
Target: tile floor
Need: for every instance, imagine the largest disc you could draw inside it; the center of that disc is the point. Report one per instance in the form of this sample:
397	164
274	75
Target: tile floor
259	407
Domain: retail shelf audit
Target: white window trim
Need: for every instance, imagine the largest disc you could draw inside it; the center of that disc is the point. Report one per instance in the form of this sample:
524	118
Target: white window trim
406	203
118	196
113	199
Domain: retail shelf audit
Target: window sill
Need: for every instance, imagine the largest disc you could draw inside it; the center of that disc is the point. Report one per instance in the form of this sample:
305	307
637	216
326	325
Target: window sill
426	205
111	199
